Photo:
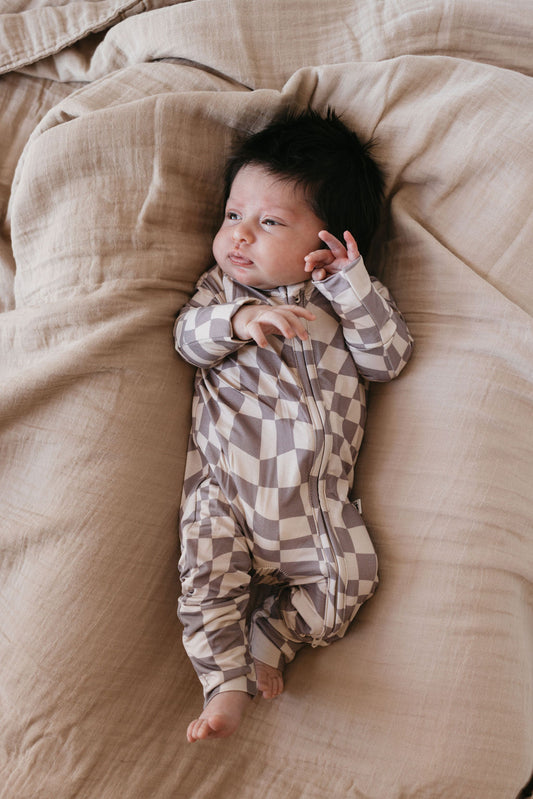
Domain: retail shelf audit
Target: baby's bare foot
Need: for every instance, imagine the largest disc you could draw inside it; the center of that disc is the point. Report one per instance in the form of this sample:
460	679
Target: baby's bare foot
269	680
220	717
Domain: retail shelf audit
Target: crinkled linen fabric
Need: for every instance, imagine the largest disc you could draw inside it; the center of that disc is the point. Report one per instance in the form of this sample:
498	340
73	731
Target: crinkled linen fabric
113	136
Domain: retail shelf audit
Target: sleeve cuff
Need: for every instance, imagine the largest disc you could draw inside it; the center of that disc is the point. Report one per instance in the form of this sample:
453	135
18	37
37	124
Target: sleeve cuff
354	275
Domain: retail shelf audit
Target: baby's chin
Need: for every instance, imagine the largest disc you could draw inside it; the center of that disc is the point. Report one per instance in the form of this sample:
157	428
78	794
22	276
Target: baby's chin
245	275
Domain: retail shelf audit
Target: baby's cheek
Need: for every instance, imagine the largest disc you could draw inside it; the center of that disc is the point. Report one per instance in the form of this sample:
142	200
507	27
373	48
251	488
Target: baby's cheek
218	245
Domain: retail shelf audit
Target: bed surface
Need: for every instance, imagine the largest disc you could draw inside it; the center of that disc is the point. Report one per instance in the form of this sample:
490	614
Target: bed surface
115	119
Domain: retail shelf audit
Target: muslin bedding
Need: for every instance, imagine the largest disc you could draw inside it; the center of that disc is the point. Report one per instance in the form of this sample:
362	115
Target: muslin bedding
115	121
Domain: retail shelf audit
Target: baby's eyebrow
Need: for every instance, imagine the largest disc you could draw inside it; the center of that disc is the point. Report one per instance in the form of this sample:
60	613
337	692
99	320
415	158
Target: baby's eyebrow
280	212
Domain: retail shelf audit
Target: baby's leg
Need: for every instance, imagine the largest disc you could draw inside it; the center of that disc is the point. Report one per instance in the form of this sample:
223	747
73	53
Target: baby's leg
273	643
215	572
220	717
296	616
269	675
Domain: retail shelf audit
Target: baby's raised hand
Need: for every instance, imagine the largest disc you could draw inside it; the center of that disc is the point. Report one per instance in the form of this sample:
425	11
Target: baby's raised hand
322	263
258	321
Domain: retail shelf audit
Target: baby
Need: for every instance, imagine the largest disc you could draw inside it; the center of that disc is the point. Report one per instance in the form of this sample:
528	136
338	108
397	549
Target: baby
285	330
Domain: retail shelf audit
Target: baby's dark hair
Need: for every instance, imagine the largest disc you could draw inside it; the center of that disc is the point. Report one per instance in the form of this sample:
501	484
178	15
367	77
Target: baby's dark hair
342	181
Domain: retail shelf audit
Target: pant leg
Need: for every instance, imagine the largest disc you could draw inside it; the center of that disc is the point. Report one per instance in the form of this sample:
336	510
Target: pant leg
215	569
317	613
285	622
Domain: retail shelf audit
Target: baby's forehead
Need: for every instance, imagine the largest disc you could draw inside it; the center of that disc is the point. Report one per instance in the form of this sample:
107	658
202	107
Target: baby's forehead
254	182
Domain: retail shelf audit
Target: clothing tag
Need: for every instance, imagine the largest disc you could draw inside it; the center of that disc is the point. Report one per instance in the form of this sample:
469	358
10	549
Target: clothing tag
359	505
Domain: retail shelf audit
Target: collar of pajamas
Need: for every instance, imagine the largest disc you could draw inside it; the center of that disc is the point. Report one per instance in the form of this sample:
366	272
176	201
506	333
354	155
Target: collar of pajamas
266	499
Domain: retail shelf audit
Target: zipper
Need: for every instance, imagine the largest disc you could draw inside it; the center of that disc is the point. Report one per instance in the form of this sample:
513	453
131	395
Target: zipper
319	423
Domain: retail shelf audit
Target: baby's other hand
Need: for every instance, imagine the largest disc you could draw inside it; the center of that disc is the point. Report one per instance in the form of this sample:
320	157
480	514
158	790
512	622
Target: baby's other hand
323	263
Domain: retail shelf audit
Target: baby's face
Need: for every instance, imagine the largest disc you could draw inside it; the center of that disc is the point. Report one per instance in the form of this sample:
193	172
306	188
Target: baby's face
267	231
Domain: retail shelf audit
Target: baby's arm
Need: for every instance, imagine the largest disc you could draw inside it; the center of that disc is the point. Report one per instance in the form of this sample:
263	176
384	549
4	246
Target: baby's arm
203	332
373	328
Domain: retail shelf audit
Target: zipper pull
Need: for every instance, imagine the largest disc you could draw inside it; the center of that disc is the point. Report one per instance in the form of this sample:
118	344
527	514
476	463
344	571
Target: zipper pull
298	298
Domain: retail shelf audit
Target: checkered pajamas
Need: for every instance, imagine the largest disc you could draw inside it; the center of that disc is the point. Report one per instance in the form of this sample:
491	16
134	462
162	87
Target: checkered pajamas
270	465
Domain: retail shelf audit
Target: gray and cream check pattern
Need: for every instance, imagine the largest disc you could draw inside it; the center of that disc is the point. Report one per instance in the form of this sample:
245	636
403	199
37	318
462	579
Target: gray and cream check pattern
266	499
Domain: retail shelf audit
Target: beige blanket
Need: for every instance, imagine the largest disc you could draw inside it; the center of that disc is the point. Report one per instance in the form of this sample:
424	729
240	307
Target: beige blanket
115	121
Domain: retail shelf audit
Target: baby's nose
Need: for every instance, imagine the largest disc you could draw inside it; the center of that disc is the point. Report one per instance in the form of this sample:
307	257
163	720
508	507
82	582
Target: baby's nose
242	232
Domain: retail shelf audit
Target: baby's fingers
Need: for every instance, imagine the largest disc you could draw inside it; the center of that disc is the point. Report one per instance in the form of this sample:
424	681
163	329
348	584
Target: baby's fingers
255	331
288	322
319	274
297	310
332	242
284	320
318	258
351	246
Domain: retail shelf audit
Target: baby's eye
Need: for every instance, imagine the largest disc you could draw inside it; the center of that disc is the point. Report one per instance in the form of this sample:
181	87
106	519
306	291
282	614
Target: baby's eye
232	215
270	222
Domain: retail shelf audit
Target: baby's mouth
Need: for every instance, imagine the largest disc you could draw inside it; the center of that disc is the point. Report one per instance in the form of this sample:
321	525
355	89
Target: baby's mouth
239	260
